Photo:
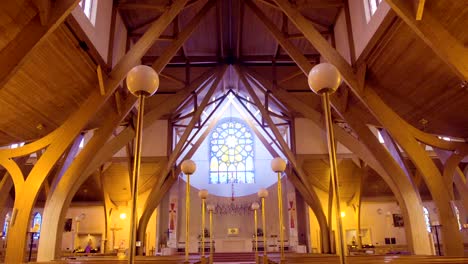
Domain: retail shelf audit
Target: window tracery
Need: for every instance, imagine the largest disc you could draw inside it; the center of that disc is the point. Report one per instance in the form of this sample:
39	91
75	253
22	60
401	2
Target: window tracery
231	153
36	225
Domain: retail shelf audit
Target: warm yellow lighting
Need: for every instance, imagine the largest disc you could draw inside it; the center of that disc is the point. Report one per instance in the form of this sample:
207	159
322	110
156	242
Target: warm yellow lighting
343	214
123	215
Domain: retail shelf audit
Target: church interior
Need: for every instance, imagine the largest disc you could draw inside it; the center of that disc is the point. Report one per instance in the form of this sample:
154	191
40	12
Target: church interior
233	131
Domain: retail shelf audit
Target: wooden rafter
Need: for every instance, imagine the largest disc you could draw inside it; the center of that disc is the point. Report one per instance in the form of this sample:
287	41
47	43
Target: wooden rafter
403	133
18	50
152	200
182	37
44	7
447	47
139	6
82	116
314	4
419	8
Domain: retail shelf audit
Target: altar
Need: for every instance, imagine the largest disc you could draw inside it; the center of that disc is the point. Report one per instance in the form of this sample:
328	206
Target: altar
233	245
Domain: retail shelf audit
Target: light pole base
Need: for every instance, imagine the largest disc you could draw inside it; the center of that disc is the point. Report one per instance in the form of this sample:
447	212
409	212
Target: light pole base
203	260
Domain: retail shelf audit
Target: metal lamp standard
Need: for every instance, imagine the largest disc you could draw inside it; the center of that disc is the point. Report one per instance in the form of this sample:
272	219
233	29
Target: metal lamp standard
188	167
142	81
263	193
255	207
211	208
278	165
203	194
324	79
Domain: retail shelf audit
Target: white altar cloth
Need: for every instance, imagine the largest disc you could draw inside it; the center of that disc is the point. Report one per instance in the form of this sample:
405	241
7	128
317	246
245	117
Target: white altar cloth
233	245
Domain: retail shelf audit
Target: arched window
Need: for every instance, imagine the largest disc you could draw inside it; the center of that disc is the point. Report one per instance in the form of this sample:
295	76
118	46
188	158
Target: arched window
36	224
426	219
231	153
5	225
457	215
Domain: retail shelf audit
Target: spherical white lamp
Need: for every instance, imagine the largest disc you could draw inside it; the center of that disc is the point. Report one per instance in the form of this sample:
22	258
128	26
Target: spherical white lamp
278	164
255	206
203	194
262	193
210	207
188	167
142	79
324	77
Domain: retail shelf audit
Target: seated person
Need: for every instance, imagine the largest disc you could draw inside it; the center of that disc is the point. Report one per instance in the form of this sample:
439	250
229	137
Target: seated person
89	247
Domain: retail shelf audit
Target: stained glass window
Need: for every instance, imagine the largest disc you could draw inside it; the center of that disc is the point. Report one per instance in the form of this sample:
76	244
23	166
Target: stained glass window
427	219
231	153
457	215
36	224
5	225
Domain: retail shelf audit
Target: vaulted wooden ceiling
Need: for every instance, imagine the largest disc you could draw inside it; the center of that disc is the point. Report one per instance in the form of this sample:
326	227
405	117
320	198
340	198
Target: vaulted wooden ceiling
59	74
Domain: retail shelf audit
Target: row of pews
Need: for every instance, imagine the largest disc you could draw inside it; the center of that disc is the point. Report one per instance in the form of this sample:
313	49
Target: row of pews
291	258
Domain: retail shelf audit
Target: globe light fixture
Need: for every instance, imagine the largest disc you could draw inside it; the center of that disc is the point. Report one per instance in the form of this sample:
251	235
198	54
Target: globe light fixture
188	167
255	206
211	208
142	81
324	79
278	165
263	193
203	194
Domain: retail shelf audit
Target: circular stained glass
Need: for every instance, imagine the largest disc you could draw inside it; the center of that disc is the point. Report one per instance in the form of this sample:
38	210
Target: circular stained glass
231	153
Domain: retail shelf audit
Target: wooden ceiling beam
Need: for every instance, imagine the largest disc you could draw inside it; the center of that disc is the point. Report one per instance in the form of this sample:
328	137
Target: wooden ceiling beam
140	6
154	196
219	29
266	116
317	4
76	172
240	29
169	106
419	7
368	96
19	49
150	7
402	132
453	173
44	8
166	57
445	45
270	4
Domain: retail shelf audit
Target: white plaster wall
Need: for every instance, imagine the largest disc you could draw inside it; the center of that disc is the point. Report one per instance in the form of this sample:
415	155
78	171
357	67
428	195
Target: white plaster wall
93	223
311	139
341	36
120	40
363	30
98	33
154	141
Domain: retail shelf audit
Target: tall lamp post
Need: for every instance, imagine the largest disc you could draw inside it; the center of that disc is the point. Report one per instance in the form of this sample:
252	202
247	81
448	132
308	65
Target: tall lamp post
188	167
263	193
142	81
324	79
255	207
278	165
203	194
211	208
